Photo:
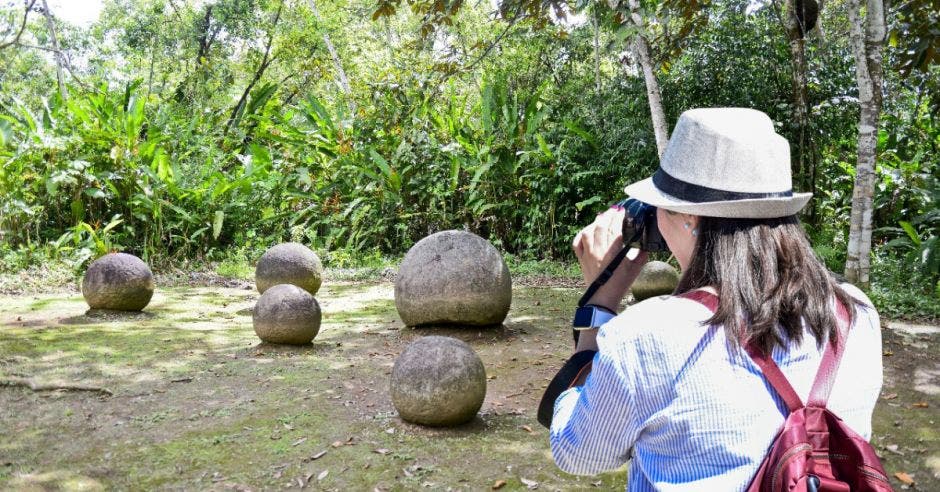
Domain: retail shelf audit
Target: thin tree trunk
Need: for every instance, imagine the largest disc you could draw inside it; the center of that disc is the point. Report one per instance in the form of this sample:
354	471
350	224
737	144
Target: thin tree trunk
58	53
597	51
653	94
800	96
265	62
337	63
866	38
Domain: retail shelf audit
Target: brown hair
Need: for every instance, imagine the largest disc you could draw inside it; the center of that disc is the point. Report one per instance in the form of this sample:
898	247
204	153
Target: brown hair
765	273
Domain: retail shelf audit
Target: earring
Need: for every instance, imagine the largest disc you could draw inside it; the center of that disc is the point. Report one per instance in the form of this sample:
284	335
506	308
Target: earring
686	225
694	232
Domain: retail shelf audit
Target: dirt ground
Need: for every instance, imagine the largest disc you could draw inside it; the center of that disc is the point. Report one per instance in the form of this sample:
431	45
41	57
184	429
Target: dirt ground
188	398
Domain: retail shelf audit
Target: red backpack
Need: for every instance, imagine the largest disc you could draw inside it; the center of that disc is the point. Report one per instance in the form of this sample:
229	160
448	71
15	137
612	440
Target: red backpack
815	450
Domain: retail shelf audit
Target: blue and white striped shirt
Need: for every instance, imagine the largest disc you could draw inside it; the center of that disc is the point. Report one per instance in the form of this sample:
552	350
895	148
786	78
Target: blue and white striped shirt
668	392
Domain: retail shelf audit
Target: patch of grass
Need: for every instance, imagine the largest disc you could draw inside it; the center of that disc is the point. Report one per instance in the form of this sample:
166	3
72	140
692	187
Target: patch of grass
530	267
900	290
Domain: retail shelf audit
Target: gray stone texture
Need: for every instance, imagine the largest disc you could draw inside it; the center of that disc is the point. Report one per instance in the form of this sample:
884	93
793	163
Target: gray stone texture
289	263
118	281
439	382
657	278
453	277
286	314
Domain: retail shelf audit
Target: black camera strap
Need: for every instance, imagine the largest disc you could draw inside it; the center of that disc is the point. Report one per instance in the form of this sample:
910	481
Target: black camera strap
608	272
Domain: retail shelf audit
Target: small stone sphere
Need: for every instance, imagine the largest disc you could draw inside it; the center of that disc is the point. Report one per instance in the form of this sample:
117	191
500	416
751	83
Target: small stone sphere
657	278
118	281
286	314
289	263
453	277
439	382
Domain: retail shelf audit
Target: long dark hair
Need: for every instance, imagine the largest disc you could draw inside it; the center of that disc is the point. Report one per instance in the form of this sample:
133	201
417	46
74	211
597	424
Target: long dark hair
765	273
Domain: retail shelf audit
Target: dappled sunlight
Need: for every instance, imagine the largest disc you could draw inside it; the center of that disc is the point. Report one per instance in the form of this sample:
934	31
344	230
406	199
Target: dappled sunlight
195	390
56	480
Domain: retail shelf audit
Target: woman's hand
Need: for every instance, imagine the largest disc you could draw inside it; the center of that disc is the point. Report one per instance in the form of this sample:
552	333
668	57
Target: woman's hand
595	246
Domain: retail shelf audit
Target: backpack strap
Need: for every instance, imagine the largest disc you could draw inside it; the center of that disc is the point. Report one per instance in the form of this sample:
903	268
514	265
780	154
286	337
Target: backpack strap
826	376
763	360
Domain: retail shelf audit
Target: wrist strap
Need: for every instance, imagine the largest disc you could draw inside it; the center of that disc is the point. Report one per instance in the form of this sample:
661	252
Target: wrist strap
565	379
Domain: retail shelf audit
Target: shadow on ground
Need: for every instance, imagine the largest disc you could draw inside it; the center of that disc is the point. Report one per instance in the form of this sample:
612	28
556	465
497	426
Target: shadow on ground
199	403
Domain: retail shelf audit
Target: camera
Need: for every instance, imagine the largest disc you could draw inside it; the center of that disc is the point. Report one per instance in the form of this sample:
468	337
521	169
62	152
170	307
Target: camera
639	226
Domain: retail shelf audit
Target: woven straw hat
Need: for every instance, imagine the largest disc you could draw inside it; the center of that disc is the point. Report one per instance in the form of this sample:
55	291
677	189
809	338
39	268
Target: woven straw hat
723	162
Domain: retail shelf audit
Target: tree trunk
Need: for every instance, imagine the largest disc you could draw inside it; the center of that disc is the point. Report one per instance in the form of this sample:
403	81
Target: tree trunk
59	61
653	94
337	63
867	39
800	97
597	50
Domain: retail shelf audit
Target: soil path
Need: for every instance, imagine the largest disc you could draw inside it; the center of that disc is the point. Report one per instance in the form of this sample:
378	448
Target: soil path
199	404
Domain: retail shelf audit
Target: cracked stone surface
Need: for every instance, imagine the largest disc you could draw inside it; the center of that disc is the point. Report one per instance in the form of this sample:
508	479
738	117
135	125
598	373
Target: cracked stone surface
657	278
118	281
286	314
453	277
289	263
438	381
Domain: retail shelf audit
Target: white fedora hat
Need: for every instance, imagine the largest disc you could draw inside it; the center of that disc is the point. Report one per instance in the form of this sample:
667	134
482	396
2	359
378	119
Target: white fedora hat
723	162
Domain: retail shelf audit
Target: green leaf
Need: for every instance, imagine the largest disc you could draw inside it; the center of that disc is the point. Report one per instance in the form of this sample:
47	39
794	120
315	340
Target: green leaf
217	224
590	201
911	232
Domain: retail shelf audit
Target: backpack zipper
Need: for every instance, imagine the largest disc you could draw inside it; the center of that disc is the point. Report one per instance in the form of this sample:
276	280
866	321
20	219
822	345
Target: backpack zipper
794	451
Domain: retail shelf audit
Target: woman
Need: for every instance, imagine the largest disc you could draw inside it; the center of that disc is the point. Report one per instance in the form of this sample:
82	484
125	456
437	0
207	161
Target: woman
670	388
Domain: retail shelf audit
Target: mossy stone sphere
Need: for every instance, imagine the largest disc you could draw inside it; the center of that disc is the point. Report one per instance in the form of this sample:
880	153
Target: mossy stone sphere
453	277
286	314
118	281
657	278
289	263
439	382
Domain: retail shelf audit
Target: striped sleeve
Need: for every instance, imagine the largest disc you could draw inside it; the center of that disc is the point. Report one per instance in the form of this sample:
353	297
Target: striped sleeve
594	426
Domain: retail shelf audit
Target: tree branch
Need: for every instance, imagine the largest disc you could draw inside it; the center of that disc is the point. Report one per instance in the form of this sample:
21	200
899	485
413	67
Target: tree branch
16	39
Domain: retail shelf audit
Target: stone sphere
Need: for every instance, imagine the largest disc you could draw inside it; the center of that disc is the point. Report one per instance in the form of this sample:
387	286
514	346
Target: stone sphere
438	381
289	263
657	278
286	314
453	277
118	281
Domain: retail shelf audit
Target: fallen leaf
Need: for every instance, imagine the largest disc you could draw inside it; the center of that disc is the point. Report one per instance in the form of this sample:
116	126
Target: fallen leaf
390	430
337	444
318	455
921	404
299	441
894	449
888	353
323	475
382	451
889	396
530	484
499	484
527	429
905	478
597	483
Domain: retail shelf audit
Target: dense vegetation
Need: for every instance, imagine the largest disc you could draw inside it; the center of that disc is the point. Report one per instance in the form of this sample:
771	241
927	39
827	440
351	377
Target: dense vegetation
206	130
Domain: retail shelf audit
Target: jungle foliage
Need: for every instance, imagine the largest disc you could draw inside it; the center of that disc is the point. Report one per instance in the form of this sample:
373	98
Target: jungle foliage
198	129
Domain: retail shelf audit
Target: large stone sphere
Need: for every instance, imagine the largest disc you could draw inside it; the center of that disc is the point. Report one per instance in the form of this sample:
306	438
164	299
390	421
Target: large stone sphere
438	381
657	278
453	277
118	281
286	314
289	263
